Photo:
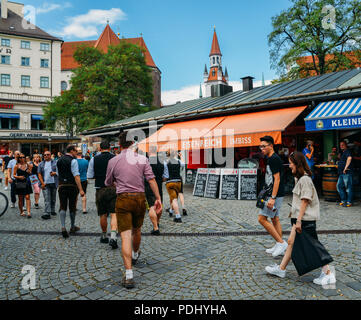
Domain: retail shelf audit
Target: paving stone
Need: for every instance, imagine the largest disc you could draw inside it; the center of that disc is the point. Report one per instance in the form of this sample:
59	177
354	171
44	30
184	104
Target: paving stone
69	296
354	285
67	289
86	290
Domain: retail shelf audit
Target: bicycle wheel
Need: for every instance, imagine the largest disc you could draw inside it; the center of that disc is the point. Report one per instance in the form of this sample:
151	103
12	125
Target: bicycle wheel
4	202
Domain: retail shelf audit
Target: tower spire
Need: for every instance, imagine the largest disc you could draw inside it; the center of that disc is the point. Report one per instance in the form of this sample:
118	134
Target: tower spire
215	50
200	91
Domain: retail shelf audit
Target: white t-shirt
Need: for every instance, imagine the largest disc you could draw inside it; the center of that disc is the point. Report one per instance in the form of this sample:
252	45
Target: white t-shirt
47	170
11	166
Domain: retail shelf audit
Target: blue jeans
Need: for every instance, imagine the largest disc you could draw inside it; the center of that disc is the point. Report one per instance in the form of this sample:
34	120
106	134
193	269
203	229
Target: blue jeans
344	187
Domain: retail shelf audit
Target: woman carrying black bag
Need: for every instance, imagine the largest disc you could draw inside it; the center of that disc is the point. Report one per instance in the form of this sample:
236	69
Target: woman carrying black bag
304	214
23	188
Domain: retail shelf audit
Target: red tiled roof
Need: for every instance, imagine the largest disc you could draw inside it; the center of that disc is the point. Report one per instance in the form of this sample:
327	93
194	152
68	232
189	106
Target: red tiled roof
107	38
67	53
140	42
215	45
329	57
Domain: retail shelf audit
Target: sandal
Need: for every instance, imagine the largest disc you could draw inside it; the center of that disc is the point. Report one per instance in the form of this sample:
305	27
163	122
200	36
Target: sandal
23	214
29	216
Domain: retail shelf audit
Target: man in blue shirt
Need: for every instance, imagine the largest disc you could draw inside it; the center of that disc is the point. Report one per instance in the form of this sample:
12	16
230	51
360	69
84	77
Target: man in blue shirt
344	183
308	152
83	169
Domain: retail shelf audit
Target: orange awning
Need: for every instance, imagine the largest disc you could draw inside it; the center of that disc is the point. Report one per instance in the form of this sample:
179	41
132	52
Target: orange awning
243	130
171	136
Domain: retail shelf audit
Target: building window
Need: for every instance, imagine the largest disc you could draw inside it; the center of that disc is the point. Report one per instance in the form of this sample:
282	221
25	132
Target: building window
44	47
5	80
217	59
5	59
5	42
214	60
25	62
44	82
25	44
9	121
25	81
64	86
44	63
213	73
37	122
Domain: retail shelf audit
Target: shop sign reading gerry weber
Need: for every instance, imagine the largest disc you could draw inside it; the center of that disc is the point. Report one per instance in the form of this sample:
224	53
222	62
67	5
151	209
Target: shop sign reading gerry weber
26	135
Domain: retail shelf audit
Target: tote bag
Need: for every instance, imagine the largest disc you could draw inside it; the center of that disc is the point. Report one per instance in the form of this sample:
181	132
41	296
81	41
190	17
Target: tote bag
309	254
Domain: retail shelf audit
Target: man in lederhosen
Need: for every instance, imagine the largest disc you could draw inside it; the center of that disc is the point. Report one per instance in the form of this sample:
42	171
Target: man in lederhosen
105	196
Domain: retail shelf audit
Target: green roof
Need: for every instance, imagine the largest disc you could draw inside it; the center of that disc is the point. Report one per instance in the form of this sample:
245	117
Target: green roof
297	92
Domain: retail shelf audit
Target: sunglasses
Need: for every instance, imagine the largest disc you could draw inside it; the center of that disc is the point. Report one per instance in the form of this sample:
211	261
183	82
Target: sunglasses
22	157
263	146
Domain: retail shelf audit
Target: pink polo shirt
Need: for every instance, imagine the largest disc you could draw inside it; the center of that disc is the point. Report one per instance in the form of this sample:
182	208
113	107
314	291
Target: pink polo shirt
127	171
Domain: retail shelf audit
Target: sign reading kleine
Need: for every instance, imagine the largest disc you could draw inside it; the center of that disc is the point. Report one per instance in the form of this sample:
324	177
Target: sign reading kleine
333	124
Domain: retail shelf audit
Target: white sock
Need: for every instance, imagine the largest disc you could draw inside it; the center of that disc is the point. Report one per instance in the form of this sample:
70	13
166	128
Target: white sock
128	274
171	210
113	235
135	255
177	215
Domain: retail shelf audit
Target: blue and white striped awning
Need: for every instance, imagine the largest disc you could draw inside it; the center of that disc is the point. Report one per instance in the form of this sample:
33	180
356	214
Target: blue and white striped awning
332	115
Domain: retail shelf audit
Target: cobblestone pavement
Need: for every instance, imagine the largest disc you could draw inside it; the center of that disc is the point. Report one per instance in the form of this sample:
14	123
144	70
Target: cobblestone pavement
175	267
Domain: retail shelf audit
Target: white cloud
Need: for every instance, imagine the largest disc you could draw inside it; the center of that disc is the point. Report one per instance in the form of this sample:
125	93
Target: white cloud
86	25
192	92
48	7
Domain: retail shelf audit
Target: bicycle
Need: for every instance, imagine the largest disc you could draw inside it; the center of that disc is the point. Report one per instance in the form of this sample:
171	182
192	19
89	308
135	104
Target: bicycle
4	203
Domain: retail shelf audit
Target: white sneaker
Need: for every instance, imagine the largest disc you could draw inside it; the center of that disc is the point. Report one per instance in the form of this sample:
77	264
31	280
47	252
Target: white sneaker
318	280
275	270
328	279
280	249
12	205
270	250
5	188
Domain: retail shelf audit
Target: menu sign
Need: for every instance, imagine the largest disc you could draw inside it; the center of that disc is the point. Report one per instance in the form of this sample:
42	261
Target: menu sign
248	184
213	182
229	189
200	183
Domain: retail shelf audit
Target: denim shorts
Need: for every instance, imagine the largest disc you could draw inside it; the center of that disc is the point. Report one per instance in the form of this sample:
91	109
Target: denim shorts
269	213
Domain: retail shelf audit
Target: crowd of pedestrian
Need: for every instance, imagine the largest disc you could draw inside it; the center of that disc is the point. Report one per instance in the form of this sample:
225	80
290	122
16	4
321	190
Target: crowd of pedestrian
128	183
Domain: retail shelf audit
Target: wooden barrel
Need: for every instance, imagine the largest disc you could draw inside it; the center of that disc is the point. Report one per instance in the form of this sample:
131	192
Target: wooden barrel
329	182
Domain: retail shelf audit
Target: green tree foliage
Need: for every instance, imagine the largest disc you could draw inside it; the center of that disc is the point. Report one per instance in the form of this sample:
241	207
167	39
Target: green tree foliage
107	87
316	28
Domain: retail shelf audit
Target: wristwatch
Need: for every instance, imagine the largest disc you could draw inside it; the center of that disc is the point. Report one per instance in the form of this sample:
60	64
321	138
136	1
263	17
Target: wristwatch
274	198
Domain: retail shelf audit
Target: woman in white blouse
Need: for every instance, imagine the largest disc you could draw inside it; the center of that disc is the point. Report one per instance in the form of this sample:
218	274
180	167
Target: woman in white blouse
304	214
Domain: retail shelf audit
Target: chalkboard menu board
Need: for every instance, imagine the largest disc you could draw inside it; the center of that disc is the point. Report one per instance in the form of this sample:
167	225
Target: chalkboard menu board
213	182
248	184
200	183
229	184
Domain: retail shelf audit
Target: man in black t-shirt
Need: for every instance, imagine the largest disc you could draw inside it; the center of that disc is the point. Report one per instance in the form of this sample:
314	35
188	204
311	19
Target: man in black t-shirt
6	161
275	190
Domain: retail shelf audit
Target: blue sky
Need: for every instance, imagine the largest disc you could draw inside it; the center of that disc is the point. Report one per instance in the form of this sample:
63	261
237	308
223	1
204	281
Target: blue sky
177	33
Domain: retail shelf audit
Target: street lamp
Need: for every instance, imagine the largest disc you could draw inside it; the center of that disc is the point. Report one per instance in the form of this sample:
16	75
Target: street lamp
49	139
